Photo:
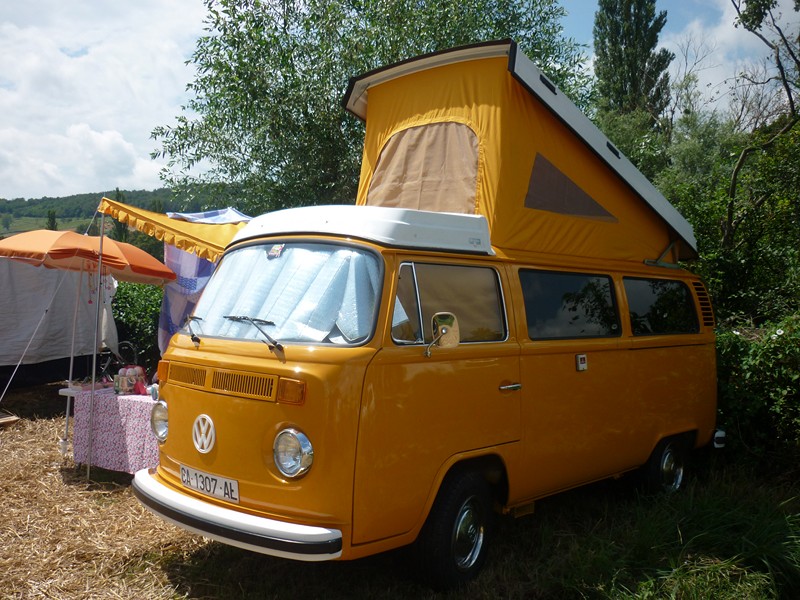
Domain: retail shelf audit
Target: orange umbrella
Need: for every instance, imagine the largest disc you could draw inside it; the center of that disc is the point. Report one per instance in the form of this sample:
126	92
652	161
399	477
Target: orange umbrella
72	251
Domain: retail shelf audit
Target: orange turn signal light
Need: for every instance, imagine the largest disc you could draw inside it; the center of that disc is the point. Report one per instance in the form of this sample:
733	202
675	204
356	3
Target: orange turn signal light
291	391
163	371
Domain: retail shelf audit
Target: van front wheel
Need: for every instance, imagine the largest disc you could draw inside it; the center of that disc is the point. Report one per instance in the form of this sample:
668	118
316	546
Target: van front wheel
452	546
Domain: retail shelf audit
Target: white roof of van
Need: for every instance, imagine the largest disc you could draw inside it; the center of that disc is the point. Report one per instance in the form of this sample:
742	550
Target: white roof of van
395	227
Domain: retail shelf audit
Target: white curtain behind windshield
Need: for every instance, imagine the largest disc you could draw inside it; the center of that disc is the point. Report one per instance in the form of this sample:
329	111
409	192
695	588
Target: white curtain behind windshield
295	292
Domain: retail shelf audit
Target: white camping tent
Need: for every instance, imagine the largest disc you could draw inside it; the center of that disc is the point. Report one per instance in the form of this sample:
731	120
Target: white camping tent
30	294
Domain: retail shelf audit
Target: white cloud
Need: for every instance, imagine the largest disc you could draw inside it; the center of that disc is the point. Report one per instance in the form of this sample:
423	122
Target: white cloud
57	160
711	22
82	85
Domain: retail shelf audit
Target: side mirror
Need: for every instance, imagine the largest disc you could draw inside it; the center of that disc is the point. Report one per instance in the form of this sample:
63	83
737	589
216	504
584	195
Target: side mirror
446	333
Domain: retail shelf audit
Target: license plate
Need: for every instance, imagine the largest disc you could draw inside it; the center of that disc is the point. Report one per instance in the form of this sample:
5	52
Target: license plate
210	485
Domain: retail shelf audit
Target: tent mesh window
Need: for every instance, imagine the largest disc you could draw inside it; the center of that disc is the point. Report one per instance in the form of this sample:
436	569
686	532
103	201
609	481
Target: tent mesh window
551	190
428	167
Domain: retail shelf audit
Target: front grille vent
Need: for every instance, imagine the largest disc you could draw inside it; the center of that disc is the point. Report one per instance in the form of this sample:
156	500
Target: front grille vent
251	385
224	381
706	311
188	375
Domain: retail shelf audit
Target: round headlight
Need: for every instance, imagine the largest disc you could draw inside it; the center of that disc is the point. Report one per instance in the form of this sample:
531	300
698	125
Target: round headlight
159	420
292	453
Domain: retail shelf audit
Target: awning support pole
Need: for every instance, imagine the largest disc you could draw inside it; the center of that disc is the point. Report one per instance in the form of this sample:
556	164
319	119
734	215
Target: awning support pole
65	440
659	262
96	344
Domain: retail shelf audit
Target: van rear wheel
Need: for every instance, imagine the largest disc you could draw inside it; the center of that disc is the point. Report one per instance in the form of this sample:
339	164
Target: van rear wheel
665	471
453	544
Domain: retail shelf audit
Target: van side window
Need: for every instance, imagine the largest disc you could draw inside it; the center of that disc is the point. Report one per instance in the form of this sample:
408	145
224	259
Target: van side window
568	305
472	294
405	319
660	306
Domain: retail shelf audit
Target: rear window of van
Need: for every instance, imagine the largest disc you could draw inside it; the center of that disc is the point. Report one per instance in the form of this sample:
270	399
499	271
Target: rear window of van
660	306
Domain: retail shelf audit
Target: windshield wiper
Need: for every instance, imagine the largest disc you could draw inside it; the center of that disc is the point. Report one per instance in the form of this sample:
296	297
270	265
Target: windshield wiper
271	342
192	335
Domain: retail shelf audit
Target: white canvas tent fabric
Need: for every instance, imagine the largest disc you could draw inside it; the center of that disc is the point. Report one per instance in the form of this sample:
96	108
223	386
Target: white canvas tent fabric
30	294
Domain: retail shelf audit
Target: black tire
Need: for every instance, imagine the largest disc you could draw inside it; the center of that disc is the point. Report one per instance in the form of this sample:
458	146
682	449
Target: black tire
665	471
454	542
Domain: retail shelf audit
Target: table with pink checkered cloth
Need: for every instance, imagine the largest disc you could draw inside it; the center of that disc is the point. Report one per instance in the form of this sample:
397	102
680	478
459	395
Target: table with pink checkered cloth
121	438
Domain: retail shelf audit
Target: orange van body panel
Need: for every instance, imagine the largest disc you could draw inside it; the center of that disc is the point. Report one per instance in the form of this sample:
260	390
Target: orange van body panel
246	428
387	423
417	413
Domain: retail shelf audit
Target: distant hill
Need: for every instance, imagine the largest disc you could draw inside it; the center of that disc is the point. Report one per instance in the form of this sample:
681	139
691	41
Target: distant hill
81	205
76	212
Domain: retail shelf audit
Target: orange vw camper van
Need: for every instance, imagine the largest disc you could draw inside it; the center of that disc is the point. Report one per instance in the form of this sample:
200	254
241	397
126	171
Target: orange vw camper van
500	317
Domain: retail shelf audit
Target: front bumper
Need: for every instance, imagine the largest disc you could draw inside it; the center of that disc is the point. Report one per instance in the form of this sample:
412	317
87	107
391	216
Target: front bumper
259	534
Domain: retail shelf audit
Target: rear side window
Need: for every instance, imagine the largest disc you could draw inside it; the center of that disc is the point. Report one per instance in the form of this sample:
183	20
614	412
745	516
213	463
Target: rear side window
568	305
472	294
660	306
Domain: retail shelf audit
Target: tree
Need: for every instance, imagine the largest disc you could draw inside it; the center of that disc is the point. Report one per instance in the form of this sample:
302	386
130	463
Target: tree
632	86
757	254
119	230
631	71
736	177
634	135
157	206
52	223
7	220
686	98
758	17
265	127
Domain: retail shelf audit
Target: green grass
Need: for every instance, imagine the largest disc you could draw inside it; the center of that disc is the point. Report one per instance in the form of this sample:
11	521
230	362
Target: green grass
728	535
22	224
732	533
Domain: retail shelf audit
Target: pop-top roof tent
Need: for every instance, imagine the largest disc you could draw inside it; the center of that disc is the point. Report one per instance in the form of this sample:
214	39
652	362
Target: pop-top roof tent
481	130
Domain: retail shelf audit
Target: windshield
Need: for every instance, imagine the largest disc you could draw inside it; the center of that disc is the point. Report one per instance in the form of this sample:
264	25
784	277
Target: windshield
291	292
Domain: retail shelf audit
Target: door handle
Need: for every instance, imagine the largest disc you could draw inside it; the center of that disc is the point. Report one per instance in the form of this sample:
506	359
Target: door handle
511	387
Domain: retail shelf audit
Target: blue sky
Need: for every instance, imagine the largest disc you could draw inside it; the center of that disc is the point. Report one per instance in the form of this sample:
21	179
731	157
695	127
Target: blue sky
709	22
680	13
84	82
710	19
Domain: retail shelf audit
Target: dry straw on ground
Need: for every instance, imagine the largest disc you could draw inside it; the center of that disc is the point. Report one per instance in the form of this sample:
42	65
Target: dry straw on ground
63	536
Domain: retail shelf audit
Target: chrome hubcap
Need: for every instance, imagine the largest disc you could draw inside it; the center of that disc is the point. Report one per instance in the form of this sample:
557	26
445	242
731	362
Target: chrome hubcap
468	534
671	470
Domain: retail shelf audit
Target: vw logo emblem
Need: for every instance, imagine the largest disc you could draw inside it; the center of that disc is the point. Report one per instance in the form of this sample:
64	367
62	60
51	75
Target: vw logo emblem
203	434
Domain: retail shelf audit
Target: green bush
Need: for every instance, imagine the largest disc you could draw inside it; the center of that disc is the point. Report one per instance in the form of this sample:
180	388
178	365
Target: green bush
759	385
136	308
